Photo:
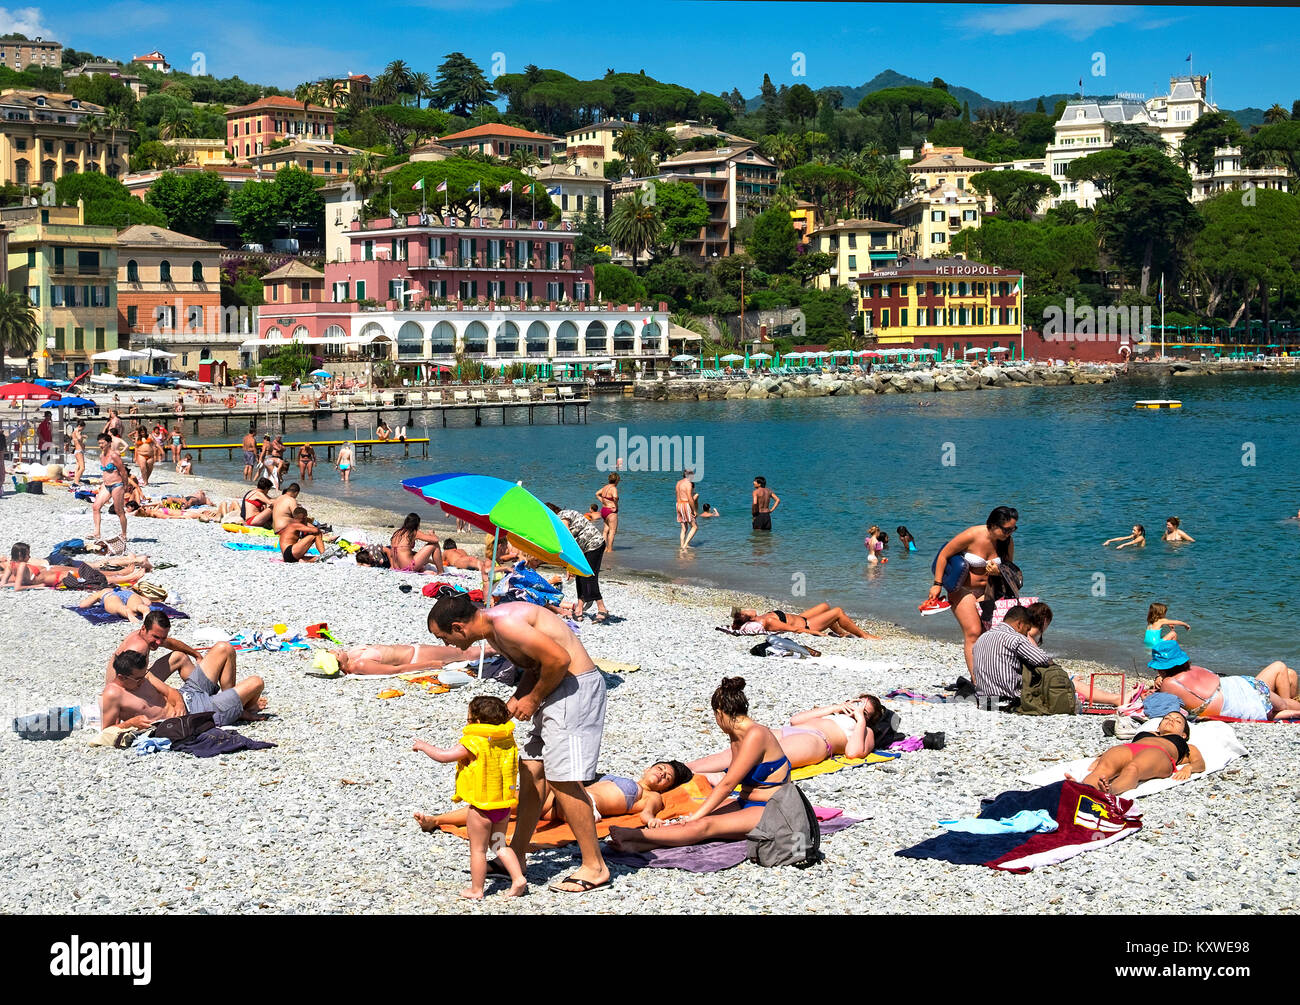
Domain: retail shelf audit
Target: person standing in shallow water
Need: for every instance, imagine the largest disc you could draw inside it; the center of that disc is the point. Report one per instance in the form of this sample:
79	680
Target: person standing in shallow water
763	503
685	492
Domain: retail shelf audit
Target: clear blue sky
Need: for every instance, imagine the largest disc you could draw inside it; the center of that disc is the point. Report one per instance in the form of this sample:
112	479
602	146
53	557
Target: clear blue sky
1005	51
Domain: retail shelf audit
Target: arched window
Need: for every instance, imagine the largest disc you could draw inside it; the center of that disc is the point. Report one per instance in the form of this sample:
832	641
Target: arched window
476	337
566	338
443	341
624	337
410	340
274	333
507	339
197	274
335	333
132	271
539	339
301	333
597	337
165	271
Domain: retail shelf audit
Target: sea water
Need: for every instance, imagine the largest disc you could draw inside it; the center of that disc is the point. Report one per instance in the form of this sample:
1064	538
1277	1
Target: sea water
1079	463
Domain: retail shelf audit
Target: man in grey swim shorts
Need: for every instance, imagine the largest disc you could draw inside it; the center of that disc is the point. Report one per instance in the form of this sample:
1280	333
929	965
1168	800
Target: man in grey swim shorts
562	695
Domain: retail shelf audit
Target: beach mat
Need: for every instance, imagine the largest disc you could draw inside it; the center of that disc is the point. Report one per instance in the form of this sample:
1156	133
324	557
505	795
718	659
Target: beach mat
839	762
239	528
1086	818
714	856
96	615
1216	741
259	546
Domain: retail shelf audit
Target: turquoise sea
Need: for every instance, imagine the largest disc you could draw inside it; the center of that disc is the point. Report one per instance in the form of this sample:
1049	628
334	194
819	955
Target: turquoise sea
1079	463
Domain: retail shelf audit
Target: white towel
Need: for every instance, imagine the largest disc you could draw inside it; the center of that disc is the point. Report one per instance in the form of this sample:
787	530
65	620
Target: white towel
1216	741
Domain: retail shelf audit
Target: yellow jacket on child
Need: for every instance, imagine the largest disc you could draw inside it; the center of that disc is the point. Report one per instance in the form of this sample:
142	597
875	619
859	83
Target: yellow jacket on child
491	780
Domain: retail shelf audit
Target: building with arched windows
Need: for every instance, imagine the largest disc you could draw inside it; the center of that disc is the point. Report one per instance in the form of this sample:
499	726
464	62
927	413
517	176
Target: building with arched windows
169	298
43	136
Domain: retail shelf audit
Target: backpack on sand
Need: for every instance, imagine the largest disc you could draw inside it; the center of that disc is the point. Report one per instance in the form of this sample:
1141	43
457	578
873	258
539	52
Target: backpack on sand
787	833
1047	691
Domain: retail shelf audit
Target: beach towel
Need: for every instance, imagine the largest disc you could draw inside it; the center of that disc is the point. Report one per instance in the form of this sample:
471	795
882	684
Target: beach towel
839	762
259	546
216	741
1086	819
681	801
239	528
96	614
1216	741
728	630
714	856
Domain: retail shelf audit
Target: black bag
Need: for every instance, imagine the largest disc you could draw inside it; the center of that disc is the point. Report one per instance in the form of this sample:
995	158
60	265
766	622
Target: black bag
183	727
1009	582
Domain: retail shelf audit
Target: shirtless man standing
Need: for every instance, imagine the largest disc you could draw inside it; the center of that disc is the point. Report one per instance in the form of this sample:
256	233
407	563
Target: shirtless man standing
250	453
685	490
562	695
208	679
283	507
763	503
298	537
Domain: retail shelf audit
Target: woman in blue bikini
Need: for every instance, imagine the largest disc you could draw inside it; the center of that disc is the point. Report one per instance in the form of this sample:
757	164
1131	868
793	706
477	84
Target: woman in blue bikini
113	486
120	600
758	768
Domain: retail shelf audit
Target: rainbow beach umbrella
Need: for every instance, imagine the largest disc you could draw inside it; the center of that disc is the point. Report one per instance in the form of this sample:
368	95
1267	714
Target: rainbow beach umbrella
496	506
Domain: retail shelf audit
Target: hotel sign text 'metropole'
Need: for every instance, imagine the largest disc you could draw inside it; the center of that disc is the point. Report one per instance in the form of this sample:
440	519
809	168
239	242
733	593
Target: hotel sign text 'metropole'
956	269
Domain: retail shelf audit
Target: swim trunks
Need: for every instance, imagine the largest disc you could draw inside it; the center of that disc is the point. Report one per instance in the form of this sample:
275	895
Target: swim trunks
762	521
203	695
685	513
566	730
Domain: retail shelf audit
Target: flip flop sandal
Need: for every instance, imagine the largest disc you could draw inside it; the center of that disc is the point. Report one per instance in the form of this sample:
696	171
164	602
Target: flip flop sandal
586	885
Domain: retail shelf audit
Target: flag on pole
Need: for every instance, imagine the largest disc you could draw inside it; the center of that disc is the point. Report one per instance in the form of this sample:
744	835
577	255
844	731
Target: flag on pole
442	187
508	187
474	188
526	190
418	186
553	191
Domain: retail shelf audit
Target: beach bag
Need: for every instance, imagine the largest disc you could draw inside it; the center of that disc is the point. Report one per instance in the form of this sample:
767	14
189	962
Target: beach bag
787	833
1009	582
183	727
781	647
151	591
1047	691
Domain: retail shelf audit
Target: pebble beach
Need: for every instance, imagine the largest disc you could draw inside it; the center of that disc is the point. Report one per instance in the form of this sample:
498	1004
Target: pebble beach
322	823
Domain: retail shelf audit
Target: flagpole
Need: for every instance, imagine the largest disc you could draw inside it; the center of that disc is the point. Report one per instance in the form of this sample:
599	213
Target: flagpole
424	195
1162	315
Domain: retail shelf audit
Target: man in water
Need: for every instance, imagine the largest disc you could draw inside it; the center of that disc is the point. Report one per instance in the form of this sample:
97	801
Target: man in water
764	502
250	453
562	695
685	490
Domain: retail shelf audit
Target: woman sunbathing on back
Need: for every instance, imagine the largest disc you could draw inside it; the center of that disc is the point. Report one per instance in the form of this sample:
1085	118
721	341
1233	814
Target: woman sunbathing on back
820	620
120	600
1163	754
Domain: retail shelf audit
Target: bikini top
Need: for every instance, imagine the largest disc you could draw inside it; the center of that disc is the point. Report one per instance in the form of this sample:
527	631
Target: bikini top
1180	745
759	773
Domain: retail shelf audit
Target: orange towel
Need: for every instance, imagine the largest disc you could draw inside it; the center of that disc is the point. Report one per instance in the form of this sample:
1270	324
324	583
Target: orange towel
681	801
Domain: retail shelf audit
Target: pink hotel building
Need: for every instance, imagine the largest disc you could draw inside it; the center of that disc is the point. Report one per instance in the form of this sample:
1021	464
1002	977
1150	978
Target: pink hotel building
417	292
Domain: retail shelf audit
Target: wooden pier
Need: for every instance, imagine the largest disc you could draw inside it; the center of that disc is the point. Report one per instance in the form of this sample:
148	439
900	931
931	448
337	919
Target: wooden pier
363	448
242	415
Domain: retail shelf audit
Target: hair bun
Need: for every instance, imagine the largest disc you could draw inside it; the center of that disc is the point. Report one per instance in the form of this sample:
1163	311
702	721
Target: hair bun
733	683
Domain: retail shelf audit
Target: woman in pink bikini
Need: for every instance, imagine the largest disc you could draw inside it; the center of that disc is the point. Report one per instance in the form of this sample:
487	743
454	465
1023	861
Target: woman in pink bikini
607	496
1162	754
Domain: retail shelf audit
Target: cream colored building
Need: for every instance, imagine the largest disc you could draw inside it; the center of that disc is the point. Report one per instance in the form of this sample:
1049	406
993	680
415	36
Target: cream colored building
17	54
326	160
41	138
203	153
69	273
1088	126
857	246
932	218
131	80
590	148
576	191
942	168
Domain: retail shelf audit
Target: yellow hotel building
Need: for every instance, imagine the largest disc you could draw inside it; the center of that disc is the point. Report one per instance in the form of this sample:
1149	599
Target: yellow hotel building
944	303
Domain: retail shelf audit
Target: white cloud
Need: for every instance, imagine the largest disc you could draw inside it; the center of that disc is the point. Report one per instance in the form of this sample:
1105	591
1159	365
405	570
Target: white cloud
27	21
1076	22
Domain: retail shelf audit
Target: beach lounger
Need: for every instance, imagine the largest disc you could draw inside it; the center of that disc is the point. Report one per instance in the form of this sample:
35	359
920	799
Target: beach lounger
478	396
462	397
566	392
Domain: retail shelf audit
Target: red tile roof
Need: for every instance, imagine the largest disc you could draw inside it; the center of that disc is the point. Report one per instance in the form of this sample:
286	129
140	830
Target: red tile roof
498	129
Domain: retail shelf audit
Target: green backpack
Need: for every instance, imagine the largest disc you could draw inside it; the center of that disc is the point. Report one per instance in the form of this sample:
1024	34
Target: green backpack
1047	691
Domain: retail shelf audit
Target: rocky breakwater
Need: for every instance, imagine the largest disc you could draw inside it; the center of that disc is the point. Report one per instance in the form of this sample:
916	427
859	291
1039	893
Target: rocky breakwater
764	385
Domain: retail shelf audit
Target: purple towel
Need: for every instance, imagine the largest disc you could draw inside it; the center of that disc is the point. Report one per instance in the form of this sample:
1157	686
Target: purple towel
215	741
714	856
96	615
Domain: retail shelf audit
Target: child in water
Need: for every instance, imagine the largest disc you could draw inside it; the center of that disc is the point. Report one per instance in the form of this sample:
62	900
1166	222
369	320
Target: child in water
487	778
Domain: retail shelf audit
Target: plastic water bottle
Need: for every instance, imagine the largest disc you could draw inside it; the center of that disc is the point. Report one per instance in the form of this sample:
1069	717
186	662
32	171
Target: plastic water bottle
91	716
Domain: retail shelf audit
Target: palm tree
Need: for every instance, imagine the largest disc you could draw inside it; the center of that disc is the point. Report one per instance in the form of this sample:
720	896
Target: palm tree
688	321
1276	114
364	173
781	149
400	72
634	226
307	93
627	143
643	162
422	85
175	125
20	332
849	340
384	88
90	127
332	93
521	160
784	198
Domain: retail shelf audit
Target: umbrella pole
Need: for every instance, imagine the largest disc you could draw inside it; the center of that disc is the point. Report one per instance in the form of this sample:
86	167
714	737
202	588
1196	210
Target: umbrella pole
496	538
